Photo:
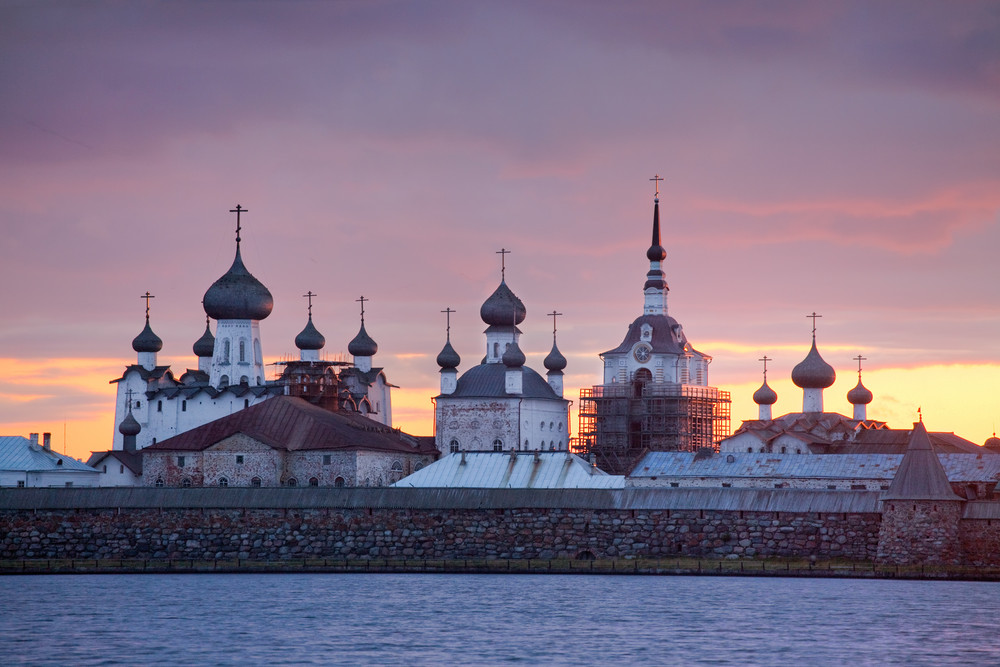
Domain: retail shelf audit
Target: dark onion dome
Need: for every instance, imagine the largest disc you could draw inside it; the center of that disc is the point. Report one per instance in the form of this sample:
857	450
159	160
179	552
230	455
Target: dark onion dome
362	345
147	341
656	252
448	358
129	425
205	346
555	361
859	395
309	338
992	443
765	395
237	295
513	357
812	372
503	308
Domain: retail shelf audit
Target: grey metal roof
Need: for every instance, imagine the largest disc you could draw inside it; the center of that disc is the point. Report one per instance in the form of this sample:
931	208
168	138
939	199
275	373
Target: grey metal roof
983	467
237	295
667	338
489	381
17	453
813	372
920	475
731	499
499	470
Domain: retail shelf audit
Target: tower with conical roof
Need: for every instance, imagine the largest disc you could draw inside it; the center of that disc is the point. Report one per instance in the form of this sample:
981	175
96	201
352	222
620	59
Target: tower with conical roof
501	404
656	394
238	302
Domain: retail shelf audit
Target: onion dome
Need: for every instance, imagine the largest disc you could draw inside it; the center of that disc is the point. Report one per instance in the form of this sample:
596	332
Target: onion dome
362	345
513	357
859	395
503	308
765	395
555	361
448	358
205	346
129	425
237	295
311	339
147	341
992	443
812	372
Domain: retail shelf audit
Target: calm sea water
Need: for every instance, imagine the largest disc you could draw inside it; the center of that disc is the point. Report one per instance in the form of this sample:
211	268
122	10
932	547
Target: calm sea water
492	619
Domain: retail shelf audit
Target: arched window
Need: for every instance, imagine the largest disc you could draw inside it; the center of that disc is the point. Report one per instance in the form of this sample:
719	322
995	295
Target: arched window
226	351
339	482
397	466
224	381
255	481
184	406
551	426
243	351
783	450
419	466
292	482
525	444
749	450
186	482
159	406
313	481
496	349
246	402
159	482
498	445
223	481
453	446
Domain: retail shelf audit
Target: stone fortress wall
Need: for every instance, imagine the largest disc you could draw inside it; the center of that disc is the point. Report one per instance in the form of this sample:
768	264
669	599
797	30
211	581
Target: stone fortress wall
270	524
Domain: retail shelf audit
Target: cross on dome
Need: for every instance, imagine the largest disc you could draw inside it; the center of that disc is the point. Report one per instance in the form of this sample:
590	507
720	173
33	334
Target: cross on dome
309	295
362	300
238	210
765	359
859	359
448	311
147	296
814	316
503	264
554	315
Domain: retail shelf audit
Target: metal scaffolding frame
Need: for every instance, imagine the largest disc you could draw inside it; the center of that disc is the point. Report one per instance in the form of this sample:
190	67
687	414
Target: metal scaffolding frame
620	423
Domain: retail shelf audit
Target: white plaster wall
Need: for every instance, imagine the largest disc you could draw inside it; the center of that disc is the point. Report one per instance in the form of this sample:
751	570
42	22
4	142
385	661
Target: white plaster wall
687	482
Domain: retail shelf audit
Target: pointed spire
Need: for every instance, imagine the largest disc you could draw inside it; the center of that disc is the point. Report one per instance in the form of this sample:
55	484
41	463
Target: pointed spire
655	288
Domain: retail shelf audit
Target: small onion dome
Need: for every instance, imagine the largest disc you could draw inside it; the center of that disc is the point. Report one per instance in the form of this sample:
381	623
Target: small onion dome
310	339
147	341
812	372
555	361
237	295
765	395
859	395
129	425
448	358
205	346
992	443
513	357
503	308
362	345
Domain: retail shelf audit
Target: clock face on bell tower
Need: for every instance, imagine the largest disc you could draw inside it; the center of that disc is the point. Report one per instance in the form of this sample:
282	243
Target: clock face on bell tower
642	353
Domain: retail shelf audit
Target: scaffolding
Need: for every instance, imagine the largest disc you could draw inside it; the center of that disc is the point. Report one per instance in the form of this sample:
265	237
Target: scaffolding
620	423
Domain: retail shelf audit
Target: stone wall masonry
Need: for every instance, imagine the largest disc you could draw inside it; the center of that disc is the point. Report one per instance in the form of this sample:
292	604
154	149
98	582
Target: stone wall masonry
270	534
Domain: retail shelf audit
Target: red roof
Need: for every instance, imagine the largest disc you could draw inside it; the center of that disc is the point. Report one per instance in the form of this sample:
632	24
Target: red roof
291	423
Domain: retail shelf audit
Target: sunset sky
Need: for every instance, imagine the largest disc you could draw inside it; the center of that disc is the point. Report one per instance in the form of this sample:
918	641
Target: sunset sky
842	158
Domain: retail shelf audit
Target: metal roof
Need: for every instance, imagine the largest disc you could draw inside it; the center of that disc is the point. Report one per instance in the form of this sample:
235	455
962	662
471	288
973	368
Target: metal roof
982	467
18	454
489	381
501	470
730	499
920	475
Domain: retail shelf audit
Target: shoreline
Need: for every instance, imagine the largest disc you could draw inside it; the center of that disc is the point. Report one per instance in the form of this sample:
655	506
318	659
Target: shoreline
635	567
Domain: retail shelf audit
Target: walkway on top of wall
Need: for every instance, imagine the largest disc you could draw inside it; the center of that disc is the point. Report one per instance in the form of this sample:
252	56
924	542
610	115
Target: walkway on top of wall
724	499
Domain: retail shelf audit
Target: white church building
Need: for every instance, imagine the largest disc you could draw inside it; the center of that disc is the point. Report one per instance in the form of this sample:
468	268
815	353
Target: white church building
231	371
501	404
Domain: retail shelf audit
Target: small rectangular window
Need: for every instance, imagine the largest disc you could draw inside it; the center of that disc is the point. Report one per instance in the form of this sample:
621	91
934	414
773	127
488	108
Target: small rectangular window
180	461
69	483
159	406
20	483
121	469
184	406
859	487
675	484
726	484
326	459
239	458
